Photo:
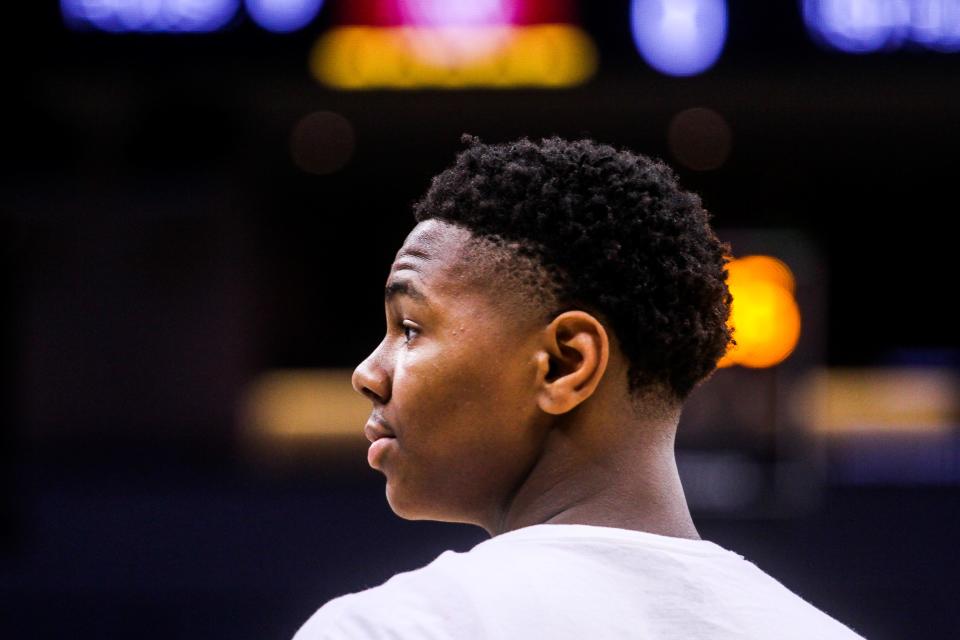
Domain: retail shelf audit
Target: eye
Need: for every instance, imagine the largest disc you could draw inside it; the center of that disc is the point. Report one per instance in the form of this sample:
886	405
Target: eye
410	331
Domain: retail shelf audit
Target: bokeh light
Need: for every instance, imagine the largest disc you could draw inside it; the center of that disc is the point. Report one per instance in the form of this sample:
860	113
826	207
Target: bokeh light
322	142
283	16
700	138
454	33
548	55
857	26
454	13
458	13
679	37
936	25
303	404
457	47
764	316
151	16
867	26
860	401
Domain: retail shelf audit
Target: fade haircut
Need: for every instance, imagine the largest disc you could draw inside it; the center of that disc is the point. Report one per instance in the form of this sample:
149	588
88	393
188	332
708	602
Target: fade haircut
601	229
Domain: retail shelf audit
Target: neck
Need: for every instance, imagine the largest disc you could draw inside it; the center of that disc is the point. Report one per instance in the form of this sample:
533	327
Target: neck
632	484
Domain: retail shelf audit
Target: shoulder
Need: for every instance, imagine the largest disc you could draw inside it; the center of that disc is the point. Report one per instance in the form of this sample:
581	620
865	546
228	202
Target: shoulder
431	602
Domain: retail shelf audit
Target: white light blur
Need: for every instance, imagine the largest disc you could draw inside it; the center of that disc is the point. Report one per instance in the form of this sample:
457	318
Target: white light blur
866	26
458	13
178	16
456	47
283	16
679	37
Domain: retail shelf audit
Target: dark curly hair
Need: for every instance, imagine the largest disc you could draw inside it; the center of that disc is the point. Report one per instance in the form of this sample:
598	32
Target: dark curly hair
616	234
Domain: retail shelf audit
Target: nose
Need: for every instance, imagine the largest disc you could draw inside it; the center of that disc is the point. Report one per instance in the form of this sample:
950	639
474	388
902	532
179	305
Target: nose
371	379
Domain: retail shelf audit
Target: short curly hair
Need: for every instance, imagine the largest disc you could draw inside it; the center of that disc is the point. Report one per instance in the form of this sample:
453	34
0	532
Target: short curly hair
618	237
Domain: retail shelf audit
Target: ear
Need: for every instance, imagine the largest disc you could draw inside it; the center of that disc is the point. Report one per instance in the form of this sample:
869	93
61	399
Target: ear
571	362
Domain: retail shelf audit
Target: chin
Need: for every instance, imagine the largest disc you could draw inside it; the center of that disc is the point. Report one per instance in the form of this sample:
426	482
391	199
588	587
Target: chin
404	507
398	504
410	508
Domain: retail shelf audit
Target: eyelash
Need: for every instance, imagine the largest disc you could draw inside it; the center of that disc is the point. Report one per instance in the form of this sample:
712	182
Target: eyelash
408	328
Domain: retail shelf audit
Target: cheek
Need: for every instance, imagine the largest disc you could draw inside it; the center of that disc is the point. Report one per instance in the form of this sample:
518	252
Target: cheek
456	398
463	425
430	389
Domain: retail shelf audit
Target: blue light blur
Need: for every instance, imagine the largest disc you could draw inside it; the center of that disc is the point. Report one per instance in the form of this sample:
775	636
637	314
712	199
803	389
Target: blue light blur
679	37
866	26
149	16
283	16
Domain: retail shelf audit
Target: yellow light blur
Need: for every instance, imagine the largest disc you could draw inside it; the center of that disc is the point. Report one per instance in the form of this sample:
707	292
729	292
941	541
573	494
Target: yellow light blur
879	400
764	269
764	316
304	404
545	55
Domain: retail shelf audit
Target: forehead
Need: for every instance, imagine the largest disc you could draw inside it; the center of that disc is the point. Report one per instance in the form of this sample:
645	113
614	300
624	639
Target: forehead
443	262
434	250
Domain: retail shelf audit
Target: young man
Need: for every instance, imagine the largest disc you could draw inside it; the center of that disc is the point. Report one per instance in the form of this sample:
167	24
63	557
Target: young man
547	316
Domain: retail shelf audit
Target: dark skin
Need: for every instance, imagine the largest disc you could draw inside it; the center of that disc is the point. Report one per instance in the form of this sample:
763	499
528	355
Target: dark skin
499	418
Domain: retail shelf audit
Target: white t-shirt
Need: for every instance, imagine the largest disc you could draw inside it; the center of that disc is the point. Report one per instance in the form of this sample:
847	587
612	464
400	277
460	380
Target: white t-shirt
578	581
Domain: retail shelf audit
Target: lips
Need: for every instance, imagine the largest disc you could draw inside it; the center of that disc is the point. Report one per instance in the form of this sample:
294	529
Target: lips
376	429
381	438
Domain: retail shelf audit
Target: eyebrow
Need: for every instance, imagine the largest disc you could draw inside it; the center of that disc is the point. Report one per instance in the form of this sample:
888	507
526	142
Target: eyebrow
402	287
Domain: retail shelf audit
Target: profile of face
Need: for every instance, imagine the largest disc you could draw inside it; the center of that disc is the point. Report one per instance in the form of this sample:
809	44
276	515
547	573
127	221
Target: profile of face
455	421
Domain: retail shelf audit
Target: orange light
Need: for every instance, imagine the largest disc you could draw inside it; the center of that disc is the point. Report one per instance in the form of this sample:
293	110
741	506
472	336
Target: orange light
542	55
764	317
763	268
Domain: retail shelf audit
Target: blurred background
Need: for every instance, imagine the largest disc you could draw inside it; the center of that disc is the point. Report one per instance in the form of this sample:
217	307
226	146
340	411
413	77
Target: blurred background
199	203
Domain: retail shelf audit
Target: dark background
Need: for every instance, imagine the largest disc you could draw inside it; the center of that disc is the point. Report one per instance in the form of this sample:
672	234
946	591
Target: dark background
160	248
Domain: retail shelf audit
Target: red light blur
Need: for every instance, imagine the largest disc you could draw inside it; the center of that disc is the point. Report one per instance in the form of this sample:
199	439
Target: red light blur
395	13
